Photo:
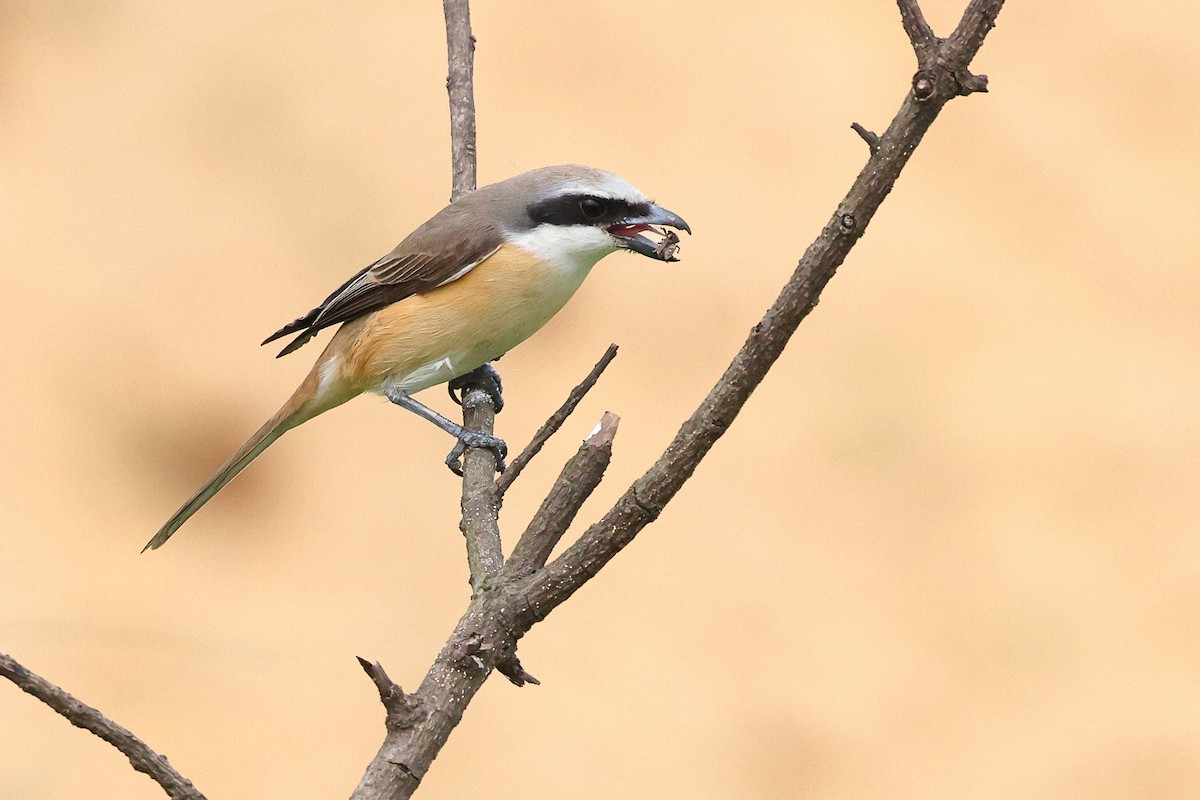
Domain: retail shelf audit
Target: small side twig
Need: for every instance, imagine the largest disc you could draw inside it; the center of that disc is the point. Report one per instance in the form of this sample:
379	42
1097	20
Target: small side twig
378	675
401	708
556	420
870	137
81	715
510	667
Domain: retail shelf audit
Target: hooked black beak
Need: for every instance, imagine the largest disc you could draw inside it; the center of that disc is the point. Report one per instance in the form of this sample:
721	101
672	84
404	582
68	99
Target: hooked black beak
628	233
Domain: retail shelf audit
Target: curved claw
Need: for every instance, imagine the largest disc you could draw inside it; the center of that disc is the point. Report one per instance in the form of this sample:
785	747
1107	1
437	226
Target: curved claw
476	439
488	379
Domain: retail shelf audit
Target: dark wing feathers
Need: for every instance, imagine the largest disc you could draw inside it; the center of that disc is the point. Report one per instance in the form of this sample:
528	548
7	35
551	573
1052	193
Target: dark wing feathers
308	319
293	326
433	254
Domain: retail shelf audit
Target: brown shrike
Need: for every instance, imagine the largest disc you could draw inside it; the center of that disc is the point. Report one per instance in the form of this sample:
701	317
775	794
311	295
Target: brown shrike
477	279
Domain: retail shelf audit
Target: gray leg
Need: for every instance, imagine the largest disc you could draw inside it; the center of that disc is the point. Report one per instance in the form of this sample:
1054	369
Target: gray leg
465	437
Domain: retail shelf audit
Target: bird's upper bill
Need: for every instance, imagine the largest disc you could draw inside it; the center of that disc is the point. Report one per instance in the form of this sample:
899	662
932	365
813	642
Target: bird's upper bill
628	233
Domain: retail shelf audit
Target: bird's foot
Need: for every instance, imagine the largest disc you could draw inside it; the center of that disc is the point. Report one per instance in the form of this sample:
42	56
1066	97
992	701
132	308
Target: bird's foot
489	381
468	439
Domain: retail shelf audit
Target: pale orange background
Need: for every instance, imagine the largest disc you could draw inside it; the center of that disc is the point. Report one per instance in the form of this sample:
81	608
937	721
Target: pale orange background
949	550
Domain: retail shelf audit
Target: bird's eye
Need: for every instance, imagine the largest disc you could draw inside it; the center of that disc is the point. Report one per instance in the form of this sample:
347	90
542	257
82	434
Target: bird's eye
592	208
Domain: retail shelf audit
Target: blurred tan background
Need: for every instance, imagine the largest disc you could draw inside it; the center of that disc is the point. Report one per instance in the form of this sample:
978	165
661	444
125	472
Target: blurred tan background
949	550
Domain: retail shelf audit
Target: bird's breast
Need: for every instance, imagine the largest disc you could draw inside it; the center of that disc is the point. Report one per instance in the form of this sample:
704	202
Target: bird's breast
429	338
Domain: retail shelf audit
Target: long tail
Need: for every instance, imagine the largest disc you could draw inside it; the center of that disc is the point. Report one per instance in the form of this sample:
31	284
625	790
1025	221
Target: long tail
302	407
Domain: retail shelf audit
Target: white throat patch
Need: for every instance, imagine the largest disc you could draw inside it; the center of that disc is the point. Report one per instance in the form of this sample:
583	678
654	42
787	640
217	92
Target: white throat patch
567	247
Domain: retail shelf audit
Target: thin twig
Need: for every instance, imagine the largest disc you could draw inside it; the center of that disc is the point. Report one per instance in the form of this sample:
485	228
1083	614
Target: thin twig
81	715
870	137
460	55
378	675
556	420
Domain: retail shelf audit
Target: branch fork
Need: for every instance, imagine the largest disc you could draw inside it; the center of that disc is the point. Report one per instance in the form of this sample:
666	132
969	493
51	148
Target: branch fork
941	63
510	597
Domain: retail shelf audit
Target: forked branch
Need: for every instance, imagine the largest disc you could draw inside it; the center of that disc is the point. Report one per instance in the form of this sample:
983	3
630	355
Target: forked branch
525	592
645	499
508	599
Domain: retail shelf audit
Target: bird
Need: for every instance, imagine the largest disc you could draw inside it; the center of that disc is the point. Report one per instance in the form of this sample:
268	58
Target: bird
475	280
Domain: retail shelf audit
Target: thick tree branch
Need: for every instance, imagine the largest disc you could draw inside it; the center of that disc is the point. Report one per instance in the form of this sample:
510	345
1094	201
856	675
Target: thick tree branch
645	499
140	756
480	497
551	425
467	658
482	639
508	604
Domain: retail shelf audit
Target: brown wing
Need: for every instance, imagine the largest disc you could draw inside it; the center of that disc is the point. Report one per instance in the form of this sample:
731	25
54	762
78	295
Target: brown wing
441	250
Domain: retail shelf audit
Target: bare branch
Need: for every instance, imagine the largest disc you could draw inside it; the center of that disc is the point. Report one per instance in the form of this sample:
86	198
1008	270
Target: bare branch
140	756
551	425
645	499
480	498
977	21
481	639
460	50
579	478
505	607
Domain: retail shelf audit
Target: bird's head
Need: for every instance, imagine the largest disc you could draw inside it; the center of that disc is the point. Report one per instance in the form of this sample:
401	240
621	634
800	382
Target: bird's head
583	212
